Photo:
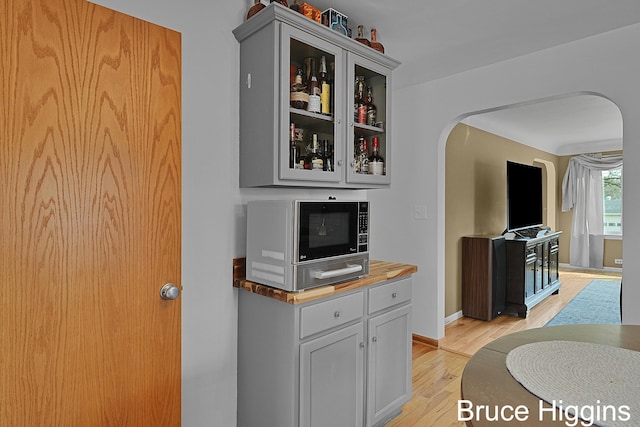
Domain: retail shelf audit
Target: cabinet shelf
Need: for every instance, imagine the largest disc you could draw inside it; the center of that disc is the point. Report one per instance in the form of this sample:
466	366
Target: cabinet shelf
367	130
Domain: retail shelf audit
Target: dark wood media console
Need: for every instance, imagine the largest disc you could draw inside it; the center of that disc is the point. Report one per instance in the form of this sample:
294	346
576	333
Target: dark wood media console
532	271
508	275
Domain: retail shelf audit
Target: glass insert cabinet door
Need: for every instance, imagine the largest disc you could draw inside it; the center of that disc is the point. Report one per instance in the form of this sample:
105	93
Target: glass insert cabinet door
370	122
314	149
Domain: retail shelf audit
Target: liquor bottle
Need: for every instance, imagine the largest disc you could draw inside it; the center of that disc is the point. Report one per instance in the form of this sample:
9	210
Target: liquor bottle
325	88
328	156
374	41
361	156
257	7
313	161
376	162
298	95
356	98
371	108
294	153
364	157
360	38
314	91
360	102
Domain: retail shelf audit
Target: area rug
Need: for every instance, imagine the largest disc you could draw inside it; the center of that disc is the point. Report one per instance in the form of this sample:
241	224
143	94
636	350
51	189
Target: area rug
597	303
597	383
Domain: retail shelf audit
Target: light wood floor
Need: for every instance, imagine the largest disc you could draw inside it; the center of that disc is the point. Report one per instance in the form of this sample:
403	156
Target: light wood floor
437	372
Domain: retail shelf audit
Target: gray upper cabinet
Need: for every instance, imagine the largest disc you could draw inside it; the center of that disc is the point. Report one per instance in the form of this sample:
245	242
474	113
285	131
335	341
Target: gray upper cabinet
274	44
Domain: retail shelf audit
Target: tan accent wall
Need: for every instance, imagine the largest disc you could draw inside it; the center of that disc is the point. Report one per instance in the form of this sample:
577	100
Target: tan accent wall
475	185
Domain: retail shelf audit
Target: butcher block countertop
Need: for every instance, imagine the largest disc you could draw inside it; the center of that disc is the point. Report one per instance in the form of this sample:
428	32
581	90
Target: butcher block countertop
379	271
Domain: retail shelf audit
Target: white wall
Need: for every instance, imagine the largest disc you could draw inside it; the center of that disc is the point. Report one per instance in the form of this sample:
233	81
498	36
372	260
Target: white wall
213	205
604	64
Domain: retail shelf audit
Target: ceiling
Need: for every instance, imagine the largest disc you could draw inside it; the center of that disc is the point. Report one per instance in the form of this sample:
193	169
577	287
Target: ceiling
433	39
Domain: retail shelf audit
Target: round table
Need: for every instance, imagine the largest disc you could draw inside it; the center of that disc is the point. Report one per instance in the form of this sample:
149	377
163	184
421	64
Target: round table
489	391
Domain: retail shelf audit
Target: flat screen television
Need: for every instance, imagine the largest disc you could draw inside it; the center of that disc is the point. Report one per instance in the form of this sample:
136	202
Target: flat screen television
524	196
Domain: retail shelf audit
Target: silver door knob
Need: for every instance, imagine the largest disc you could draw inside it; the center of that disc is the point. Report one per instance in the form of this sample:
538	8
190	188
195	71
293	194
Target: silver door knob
170	291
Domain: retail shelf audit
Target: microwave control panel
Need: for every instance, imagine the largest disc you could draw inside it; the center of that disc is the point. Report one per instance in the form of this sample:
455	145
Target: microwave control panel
363	227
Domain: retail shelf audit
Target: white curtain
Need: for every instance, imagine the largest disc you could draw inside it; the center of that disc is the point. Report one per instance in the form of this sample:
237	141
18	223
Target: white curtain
582	192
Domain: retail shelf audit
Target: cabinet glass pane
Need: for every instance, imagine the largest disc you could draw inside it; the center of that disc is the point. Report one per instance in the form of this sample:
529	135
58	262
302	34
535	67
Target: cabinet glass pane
311	110
370	124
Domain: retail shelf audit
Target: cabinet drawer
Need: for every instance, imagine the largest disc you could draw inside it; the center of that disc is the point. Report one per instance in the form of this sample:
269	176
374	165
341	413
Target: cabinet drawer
326	315
388	295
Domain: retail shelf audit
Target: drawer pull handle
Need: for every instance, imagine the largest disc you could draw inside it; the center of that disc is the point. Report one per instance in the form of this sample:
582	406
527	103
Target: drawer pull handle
336	314
394	295
374	339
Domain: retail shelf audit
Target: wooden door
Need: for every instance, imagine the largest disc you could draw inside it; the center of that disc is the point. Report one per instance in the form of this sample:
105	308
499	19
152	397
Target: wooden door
90	180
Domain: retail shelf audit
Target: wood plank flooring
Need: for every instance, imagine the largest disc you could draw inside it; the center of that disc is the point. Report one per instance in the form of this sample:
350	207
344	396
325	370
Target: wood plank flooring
437	372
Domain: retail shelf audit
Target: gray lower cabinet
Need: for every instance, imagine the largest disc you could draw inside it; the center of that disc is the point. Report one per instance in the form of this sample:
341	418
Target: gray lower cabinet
343	360
331	375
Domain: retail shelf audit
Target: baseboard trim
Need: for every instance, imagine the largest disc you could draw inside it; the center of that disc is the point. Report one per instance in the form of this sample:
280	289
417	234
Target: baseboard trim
453	317
426	340
591	270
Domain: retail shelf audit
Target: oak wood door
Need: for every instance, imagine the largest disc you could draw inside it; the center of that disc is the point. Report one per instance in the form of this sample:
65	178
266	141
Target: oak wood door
90	216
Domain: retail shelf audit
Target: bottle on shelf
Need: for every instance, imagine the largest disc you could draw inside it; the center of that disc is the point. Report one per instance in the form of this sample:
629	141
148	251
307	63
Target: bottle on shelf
361	159
376	161
314	91
371	108
374	41
325	88
360	102
298	95
257	7
328	156
313	161
294	152
361	38
282	2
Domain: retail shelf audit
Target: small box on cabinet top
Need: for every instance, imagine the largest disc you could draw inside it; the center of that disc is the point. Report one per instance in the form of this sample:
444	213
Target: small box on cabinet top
336	21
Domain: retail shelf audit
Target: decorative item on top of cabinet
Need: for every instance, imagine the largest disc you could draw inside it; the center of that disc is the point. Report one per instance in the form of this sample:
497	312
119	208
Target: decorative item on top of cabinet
360	37
257	7
274	46
374	41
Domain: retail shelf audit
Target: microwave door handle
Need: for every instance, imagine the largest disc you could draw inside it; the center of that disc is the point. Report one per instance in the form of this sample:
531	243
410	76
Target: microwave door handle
350	268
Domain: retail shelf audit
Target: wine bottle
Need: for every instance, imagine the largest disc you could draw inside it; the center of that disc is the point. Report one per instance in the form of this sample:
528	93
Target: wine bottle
294	153
314	91
371	108
325	88
376	161
374	41
360	104
313	161
328	157
298	95
361	38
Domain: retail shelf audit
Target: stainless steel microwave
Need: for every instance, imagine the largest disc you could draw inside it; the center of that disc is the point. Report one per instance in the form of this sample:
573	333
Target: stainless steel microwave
300	244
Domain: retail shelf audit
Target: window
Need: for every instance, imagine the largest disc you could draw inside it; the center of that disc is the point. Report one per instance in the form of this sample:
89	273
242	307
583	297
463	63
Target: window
612	190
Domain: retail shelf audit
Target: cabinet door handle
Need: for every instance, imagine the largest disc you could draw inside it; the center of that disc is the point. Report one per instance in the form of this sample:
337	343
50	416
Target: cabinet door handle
394	295
374	339
362	345
336	314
